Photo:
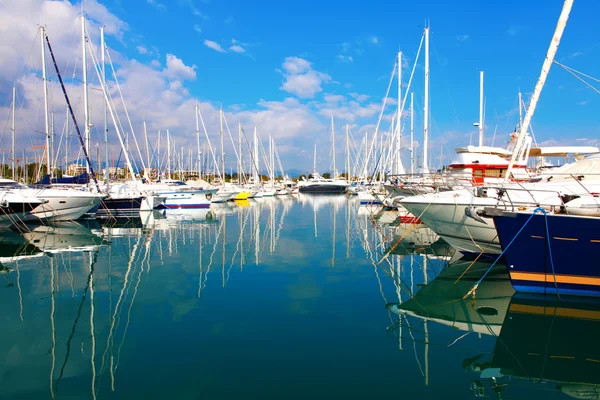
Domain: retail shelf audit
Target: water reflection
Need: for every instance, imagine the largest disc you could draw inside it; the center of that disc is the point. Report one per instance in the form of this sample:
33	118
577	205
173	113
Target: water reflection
208	304
549	345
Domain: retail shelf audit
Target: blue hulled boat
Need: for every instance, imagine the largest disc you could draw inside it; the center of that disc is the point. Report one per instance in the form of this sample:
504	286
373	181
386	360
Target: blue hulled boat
553	253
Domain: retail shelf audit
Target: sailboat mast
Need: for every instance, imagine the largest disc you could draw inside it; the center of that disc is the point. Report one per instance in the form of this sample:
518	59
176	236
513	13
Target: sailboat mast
271	169
240	153
168	155
198	143
412	133
222	144
347	155
480	108
46	111
102	54
147	148
426	111
397	160
256	173
520	109
14	97
86	107
333	146
158	163
560	27
67	140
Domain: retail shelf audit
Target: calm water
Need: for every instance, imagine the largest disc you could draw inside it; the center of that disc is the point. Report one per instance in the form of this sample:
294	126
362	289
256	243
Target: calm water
272	299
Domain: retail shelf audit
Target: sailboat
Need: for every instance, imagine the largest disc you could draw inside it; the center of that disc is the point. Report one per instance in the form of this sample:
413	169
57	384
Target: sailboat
57	204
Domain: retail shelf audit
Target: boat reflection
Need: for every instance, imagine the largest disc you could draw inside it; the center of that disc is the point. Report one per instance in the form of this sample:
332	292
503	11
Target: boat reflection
550	345
63	236
444	300
190	215
14	247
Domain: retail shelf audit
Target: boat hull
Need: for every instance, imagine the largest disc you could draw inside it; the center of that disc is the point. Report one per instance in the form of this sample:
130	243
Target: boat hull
564	263
187	200
326	189
450	221
120	207
65	206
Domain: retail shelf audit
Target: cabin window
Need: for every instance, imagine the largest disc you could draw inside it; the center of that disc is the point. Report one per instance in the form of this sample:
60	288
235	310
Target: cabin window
495	173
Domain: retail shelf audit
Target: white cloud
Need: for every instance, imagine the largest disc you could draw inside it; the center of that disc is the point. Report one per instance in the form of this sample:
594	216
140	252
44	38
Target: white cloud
334	98
345	58
359	97
237	48
374	39
197	13
214	45
300	79
462	38
156	4
176	69
143	50
198	28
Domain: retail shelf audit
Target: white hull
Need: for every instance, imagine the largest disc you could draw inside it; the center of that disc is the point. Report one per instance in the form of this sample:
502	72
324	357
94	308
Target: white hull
196	199
448	220
63	205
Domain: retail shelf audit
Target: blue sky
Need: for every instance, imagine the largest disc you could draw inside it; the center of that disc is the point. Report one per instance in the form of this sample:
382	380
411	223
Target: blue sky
287	66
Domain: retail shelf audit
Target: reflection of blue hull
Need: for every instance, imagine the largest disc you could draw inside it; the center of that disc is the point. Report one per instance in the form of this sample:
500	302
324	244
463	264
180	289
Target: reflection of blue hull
181	206
543	339
325	189
120	207
567	263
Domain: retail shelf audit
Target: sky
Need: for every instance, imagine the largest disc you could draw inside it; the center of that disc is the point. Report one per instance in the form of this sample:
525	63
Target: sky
287	67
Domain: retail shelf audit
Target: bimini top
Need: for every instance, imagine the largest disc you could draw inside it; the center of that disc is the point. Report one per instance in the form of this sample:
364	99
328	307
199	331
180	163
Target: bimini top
558	151
483	150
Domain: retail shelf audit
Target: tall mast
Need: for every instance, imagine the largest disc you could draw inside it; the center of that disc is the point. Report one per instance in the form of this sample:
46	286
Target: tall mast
67	140
426	112
256	173
481	108
412	132
560	27
239	153
222	144
198	143
147	148
86	107
14	97
333	146
168	155
271	170
102	54
158	163
520	109
46	111
397	159
50	151
347	154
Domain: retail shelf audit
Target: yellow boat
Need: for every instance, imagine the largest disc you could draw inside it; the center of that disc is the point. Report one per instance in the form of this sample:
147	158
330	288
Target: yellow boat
242	196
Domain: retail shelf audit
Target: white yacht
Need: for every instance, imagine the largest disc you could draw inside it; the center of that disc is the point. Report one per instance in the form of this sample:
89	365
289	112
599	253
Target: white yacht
58	204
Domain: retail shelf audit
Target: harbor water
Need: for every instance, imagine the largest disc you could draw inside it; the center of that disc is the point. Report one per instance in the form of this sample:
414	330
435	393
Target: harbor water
277	298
